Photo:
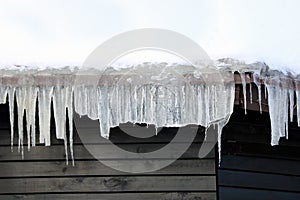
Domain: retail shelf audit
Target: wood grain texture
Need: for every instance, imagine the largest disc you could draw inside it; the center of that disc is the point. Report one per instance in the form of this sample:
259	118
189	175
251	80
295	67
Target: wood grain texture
262	165
96	168
114	196
259	180
250	194
253	169
108	184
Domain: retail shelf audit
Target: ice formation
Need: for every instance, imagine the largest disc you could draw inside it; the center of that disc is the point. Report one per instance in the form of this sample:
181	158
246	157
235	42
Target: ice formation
152	93
279	90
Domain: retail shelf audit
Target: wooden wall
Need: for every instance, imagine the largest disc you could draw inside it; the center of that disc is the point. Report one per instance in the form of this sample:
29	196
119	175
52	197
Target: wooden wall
251	168
43	173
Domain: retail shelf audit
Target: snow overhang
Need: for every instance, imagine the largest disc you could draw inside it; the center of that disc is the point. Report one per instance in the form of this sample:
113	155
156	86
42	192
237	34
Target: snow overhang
133	94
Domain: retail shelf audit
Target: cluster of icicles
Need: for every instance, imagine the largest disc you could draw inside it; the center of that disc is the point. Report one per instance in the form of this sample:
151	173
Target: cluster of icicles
26	98
159	94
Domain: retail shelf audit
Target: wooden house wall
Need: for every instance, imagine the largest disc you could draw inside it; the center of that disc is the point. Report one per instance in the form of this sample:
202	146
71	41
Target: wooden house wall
251	168
43	173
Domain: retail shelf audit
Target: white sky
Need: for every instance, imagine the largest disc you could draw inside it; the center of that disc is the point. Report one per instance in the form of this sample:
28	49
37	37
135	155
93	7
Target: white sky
56	31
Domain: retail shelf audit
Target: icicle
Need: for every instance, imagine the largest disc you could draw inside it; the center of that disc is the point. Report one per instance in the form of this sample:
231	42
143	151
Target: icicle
298	105
21	95
59	106
278	110
3	94
44	96
80	100
273	111
256	81
286	111
258	85
113	106
229	100
259	98
11	101
243	78
103	111
59	111
250	91
220	128
28	121
92	102
291	98
30	114
266	93
207	103
69	105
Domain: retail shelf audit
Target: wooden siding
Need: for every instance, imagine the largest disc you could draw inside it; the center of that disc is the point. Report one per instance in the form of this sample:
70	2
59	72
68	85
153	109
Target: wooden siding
251	168
43	173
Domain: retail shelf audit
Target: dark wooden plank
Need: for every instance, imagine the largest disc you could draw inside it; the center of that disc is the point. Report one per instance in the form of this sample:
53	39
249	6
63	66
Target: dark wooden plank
261	150
259	180
250	194
255	133
256	164
80	152
108	184
93	167
251	135
114	196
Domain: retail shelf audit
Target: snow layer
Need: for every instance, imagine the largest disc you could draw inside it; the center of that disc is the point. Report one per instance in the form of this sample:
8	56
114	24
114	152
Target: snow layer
151	93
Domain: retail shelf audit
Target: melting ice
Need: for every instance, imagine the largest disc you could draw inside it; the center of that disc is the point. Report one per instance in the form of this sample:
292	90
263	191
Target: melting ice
152	93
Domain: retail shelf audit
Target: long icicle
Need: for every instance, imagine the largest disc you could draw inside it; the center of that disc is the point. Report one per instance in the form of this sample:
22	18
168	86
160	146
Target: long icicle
30	114
45	96
21	102
291	98
69	105
59	106
11	101
243	78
